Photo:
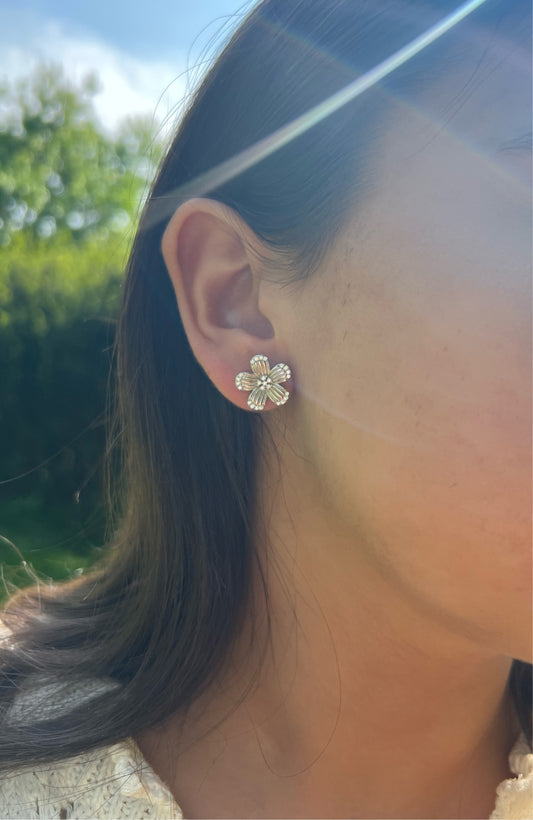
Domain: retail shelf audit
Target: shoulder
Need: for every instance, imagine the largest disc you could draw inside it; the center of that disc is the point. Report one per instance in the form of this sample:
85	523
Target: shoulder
114	782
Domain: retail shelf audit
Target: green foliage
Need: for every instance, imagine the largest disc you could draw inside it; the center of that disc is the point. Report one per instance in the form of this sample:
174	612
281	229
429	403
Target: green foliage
49	544
59	174
69	196
57	309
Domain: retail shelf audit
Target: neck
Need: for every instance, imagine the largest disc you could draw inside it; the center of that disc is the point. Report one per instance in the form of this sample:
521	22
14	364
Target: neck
367	702
364	679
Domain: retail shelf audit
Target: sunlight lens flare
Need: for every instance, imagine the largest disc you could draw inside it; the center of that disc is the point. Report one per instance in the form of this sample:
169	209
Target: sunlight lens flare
162	207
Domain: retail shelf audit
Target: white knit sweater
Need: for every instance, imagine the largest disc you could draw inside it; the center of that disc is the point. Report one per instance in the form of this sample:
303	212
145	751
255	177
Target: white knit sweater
117	782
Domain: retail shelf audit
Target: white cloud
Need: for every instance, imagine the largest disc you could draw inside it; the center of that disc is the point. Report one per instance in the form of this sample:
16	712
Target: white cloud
129	85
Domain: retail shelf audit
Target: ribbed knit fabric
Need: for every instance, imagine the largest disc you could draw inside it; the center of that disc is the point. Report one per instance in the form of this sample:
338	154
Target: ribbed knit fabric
514	797
117	782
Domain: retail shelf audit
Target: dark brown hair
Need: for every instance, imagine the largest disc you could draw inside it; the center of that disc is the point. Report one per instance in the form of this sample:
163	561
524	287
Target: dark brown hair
156	618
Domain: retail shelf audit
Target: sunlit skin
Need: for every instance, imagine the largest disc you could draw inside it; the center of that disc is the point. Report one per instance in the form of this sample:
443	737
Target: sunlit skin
395	526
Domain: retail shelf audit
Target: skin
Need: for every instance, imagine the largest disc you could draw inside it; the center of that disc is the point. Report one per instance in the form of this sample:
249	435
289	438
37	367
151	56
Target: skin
394	526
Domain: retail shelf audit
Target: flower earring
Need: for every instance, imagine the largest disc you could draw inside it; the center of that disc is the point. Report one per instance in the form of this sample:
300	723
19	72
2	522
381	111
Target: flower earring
264	383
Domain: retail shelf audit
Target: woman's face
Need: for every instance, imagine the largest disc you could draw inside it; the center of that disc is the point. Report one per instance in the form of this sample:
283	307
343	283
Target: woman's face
411	351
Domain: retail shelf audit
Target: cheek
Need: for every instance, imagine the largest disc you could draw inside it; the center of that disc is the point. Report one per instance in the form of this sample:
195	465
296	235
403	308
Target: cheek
430	474
419	413
454	528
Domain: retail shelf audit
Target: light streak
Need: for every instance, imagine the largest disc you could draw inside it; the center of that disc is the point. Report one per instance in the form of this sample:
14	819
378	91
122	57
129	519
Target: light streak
162	207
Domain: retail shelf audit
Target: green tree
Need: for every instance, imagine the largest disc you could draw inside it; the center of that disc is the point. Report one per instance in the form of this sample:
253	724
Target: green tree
61	176
69	197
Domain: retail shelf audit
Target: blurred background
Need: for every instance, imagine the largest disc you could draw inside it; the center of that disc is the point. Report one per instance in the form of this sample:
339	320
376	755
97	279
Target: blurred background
89	96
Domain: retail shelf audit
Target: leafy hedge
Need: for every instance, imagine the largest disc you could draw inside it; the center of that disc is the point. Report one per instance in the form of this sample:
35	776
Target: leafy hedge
69	198
57	313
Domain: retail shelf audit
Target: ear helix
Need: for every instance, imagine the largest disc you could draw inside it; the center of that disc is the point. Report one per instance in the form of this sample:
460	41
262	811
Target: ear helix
264	383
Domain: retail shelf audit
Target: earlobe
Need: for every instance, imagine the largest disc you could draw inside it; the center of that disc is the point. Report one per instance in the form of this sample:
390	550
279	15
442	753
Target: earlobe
208	251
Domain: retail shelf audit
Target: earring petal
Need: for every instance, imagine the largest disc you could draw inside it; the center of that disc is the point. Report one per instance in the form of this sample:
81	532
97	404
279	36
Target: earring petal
257	398
280	373
260	365
278	394
246	381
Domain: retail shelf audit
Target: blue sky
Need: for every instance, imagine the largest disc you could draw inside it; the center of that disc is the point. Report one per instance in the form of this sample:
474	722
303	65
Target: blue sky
143	53
153	29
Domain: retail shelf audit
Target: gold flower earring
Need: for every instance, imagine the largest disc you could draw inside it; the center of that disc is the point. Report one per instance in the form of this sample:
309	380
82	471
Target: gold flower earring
264	383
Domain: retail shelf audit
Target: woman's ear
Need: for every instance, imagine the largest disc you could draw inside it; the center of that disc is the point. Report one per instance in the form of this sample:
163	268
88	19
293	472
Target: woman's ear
209	254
